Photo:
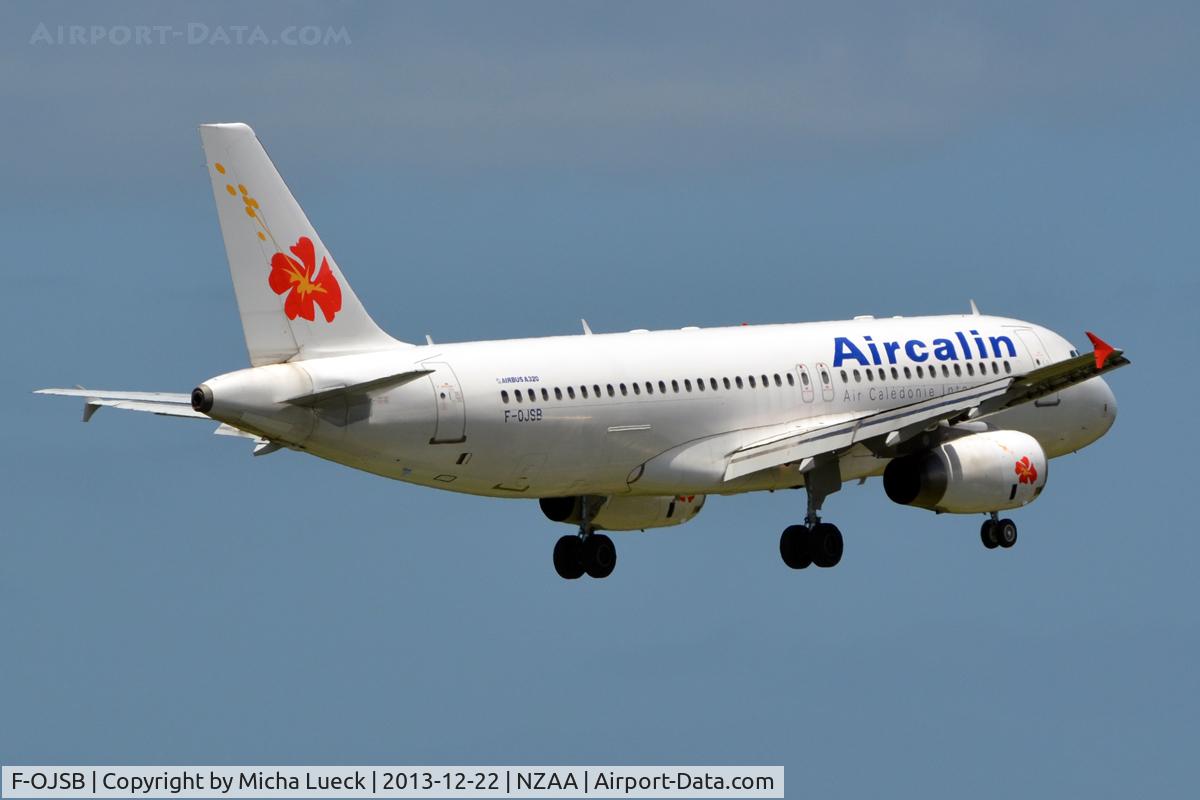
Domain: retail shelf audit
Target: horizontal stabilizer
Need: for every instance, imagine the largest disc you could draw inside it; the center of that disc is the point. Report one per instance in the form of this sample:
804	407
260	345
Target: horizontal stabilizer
386	382
165	403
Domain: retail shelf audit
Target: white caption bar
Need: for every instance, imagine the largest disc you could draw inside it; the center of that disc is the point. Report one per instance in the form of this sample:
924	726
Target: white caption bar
391	782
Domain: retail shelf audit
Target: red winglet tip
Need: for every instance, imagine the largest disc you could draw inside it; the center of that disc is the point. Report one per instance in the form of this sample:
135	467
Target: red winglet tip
1101	348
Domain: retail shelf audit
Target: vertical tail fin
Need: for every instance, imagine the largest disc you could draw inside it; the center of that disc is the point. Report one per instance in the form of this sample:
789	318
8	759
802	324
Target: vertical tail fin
293	299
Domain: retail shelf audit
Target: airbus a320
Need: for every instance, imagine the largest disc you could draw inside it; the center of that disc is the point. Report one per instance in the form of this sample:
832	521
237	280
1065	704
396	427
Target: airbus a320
959	414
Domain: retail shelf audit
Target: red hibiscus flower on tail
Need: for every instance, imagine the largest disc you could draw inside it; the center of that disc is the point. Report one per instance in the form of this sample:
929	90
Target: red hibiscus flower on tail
1026	471
304	283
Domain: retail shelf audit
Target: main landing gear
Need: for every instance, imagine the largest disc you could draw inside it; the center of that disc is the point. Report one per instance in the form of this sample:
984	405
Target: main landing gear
814	542
586	551
998	532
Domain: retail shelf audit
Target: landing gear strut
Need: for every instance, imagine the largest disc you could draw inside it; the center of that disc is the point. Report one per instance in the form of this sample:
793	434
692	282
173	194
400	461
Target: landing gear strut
586	551
814	542
998	532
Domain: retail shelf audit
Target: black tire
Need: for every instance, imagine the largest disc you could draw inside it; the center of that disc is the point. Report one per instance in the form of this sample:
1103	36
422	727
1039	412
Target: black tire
599	555
568	557
826	545
1006	533
987	534
793	547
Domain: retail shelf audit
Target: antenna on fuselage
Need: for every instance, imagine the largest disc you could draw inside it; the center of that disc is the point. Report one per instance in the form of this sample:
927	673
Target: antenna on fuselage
587	331
428	339
974	309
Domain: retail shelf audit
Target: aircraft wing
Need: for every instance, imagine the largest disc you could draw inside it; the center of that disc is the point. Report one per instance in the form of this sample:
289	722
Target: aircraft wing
894	425
164	403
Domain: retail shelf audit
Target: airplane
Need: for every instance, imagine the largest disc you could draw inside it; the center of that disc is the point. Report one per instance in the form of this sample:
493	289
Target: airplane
632	431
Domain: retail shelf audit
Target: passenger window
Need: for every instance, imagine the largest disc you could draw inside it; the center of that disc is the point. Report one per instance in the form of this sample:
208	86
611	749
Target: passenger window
624	392
726	382
907	373
1007	368
870	374
611	393
895	374
712	382
637	389
777	381
517	394
649	387
958	370
945	371
504	395
583	392
752	384
596	389
738	381
662	387
792	381
687	384
675	386
765	382
970	369
845	378
857	376
700	384
545	394
824	377
920	372
571	392
995	368
557	393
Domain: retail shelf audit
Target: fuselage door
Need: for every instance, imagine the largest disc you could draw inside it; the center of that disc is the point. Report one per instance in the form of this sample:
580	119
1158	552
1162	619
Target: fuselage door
826	382
1037	351
806	384
451	409
1033	343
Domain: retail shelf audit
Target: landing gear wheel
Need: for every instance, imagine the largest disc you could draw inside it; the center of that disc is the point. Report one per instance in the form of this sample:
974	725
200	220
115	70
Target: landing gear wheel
1006	533
568	557
793	546
599	555
987	533
825	544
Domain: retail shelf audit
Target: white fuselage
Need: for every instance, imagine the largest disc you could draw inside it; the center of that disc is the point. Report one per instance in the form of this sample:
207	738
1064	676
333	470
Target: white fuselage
537	417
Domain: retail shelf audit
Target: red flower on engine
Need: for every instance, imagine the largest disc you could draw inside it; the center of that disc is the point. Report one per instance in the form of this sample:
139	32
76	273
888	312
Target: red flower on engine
1026	471
304	283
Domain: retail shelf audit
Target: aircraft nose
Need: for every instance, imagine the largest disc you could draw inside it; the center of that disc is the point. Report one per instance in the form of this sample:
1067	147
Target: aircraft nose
1105	402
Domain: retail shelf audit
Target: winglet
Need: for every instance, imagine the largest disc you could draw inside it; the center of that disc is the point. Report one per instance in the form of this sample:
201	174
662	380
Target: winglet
1101	348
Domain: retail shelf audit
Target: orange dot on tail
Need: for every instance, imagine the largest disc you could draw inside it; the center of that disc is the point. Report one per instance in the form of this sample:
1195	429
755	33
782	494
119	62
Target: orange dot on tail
261	236
220	167
241	188
250	211
250	201
230	189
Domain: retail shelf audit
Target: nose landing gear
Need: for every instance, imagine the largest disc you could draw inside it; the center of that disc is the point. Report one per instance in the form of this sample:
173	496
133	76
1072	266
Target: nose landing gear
997	532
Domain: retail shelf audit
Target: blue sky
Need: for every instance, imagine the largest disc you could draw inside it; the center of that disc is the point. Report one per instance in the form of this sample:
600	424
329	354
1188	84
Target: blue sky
497	170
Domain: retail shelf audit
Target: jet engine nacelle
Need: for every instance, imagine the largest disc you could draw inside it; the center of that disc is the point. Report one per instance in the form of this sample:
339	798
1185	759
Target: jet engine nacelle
624	513
979	473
